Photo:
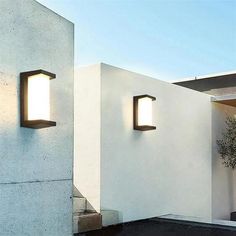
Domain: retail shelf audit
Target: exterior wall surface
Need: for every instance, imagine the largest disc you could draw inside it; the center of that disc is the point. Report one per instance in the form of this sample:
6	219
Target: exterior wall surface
168	170
223	179
144	174
36	165
87	134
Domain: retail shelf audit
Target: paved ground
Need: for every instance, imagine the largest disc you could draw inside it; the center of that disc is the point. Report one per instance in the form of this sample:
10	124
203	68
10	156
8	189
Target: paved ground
154	227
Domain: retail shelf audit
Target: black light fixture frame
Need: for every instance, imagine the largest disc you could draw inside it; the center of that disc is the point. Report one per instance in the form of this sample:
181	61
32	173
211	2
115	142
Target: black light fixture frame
24	122
135	114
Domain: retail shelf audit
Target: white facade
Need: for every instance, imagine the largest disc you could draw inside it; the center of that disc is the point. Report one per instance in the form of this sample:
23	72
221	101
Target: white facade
142	174
36	165
125	173
223	179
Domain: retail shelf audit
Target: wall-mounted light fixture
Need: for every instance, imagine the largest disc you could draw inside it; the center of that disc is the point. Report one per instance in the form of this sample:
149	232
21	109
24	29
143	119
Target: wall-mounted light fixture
142	109
35	99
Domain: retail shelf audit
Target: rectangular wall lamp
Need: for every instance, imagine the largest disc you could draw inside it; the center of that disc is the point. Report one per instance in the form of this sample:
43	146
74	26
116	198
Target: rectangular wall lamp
142	112
35	99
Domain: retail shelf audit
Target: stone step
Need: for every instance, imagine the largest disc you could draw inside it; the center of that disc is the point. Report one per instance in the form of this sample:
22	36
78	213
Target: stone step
89	207
79	204
76	192
110	217
88	221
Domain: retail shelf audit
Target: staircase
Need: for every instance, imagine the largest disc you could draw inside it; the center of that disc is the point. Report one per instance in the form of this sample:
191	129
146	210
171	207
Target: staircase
85	218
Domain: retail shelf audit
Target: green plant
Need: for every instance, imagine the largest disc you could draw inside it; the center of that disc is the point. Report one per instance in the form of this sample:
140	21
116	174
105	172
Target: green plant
227	145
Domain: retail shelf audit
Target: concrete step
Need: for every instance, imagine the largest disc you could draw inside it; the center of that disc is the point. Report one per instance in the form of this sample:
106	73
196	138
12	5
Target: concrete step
110	217
76	192
88	221
79	204
89	207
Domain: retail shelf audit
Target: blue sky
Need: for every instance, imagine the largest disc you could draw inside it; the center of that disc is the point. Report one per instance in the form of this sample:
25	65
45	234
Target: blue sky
167	39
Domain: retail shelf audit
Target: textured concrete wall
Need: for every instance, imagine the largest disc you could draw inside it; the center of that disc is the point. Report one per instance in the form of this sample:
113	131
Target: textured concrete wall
223	179
168	170
88	133
36	165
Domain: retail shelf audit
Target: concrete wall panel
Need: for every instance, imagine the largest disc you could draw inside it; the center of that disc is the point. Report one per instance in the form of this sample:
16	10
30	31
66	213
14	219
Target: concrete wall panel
33	37
36	209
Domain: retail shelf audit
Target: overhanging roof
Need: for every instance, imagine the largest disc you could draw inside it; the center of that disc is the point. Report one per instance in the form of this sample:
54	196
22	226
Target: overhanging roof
225	99
207	83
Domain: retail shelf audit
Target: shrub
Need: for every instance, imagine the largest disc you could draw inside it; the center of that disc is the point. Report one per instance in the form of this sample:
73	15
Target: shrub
227	145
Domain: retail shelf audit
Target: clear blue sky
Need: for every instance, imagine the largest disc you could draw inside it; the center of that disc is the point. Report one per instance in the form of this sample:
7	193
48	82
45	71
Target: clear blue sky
166	39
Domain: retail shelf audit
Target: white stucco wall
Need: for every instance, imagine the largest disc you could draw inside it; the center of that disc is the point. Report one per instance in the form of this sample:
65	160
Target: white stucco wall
223	179
87	133
36	165
168	170
142	174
